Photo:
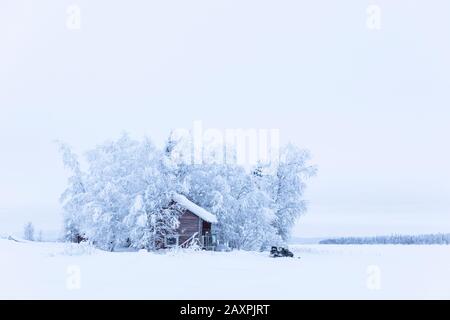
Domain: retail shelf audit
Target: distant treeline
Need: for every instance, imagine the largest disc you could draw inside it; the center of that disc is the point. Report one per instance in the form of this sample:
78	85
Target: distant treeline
440	238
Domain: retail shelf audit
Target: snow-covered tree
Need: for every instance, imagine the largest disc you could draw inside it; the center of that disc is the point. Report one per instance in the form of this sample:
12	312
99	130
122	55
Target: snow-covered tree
153	214
289	186
74	197
40	236
136	221
123	198
284	183
28	232
114	178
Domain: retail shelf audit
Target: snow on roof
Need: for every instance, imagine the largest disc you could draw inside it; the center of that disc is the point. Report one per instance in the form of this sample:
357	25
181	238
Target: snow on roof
195	209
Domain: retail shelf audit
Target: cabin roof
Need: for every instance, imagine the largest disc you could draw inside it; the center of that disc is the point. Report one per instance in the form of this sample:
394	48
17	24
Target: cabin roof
195	209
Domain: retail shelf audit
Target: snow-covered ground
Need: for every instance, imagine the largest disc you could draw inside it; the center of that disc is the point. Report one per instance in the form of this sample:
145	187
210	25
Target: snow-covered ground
55	270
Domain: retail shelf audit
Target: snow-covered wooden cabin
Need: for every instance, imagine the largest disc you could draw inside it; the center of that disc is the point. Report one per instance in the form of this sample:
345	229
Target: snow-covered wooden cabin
195	226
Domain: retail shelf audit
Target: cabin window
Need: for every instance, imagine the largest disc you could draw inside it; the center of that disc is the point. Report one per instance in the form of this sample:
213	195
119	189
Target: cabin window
171	241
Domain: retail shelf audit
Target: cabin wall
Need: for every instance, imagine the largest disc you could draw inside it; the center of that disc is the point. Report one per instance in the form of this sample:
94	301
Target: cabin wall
189	224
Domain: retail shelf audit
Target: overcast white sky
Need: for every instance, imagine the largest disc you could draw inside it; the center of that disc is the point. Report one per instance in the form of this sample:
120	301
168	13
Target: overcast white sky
372	106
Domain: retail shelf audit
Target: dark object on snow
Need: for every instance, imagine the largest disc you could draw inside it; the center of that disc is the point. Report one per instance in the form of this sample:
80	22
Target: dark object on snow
280	252
12	239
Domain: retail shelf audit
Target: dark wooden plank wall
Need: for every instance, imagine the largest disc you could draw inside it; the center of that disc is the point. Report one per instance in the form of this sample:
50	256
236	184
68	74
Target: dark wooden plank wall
189	224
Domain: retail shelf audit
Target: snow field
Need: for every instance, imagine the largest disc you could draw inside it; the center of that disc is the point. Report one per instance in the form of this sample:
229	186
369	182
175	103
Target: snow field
66	271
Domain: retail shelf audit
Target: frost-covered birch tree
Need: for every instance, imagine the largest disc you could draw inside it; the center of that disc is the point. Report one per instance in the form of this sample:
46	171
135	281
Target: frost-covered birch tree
289	183
28	232
74	197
